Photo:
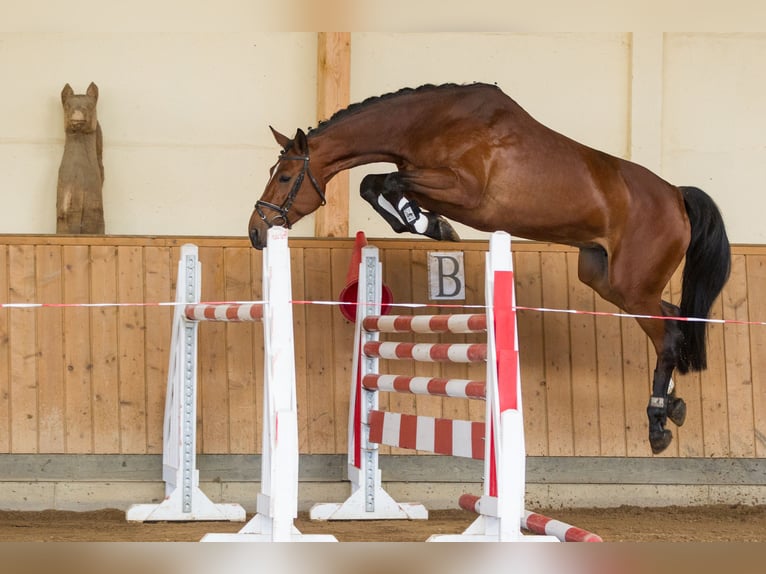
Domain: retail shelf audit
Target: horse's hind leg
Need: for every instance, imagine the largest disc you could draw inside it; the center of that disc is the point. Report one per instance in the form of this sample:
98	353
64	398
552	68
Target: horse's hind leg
593	270
386	195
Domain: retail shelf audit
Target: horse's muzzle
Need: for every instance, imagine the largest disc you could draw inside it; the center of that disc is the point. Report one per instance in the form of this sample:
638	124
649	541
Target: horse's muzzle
257	239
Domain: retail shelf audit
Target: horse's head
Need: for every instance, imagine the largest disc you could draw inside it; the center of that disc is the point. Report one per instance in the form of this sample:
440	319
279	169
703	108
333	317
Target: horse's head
292	191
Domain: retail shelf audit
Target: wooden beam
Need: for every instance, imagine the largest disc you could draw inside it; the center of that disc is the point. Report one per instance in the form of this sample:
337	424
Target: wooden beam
333	93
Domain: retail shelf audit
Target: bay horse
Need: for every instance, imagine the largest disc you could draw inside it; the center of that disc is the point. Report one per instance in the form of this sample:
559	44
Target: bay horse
471	154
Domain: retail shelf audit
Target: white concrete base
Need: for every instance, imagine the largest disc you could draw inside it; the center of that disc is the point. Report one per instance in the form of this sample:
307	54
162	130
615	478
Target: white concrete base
386	508
171	510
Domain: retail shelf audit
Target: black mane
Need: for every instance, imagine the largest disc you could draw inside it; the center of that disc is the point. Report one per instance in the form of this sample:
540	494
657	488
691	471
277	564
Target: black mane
353	108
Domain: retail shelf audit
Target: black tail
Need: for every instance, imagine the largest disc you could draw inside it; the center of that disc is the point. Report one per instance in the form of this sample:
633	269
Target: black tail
708	261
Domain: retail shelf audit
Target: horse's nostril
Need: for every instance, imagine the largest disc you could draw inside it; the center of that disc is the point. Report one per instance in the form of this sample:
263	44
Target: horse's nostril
255	239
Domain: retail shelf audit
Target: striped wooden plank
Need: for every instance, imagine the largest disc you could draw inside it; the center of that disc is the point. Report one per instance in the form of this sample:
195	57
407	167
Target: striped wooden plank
441	436
461	323
434	386
429	352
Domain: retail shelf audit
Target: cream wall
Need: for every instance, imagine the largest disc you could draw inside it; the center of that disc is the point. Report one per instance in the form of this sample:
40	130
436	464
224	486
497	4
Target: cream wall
185	111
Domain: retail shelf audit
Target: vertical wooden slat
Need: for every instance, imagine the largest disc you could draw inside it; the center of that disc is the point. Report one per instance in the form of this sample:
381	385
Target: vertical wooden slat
738	376
319	369
529	293
333	93
558	374
131	325
239	348
157	289
104	346
584	371
5	390
343	344
715	405
611	410
23	351
637	375
300	333
50	359
688	387
756	279
212	386
78	365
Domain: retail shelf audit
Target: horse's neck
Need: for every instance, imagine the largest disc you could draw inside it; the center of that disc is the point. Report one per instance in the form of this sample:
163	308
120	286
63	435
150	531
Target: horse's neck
350	144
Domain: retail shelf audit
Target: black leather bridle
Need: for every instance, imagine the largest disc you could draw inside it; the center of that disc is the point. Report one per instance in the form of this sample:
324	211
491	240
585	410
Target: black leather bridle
280	219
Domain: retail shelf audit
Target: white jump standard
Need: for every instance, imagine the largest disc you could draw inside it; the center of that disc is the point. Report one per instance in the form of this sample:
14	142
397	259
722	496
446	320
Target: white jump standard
499	440
277	502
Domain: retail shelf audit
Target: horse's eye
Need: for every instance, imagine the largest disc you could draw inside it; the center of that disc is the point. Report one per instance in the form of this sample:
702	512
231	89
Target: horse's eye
284	178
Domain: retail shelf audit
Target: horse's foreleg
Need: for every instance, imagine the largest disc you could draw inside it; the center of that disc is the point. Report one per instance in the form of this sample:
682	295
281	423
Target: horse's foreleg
387	196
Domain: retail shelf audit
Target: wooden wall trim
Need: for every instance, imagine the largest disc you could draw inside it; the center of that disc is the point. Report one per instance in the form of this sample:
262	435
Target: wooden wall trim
333	94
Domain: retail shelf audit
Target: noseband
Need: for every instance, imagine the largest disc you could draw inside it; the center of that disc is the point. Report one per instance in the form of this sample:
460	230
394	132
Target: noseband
281	217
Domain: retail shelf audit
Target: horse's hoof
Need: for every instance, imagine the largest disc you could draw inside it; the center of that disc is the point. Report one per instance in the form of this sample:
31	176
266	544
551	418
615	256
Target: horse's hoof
660	440
676	410
445	231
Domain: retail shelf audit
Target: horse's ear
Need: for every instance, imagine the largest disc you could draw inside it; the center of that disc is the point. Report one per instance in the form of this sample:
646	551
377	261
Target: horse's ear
301	143
66	93
92	91
282	140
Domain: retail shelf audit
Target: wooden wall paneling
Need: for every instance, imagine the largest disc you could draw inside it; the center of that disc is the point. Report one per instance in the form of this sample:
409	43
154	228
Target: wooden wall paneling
5	390
50	356
104	326
131	325
23	350
212	386
160	271
529	293
342	348
319	367
756	279
587	441
558	369
239	349
715	405
77	358
611	396
738	376
300	334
